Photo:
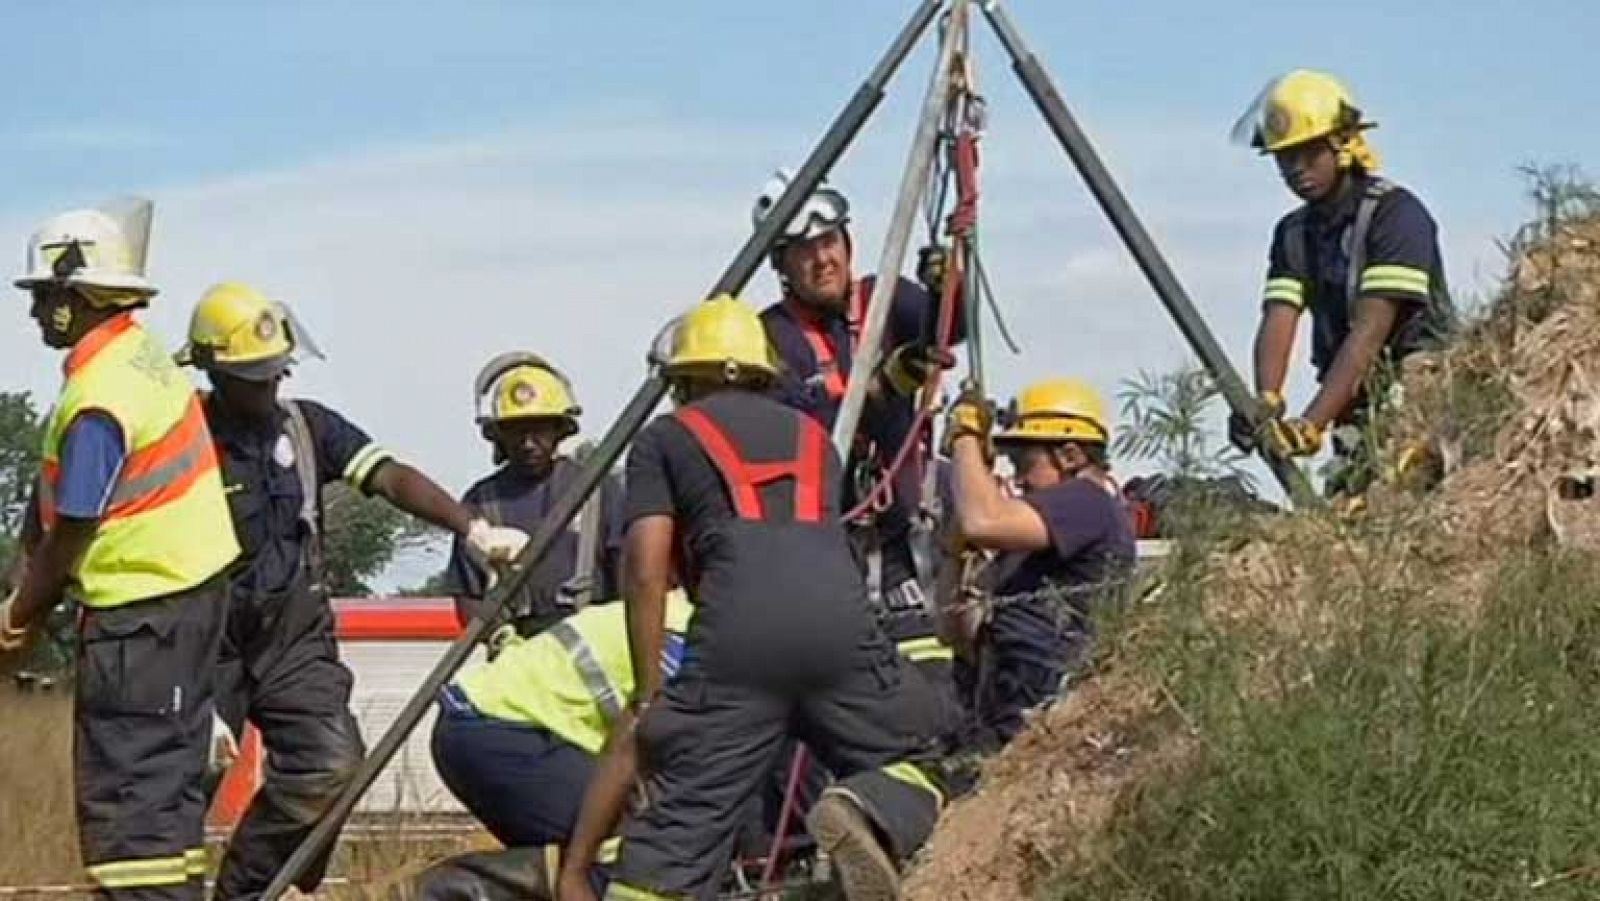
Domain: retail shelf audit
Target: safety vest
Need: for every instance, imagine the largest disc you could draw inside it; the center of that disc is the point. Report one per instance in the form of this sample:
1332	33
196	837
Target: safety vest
822	349
574	678
166	527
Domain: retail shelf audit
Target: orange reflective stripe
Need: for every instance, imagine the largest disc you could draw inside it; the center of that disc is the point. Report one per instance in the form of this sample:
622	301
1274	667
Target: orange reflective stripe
164	471
90	345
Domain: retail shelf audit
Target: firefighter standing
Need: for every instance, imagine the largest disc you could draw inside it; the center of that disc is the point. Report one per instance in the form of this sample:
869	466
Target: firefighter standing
1062	544
280	666
134	528
526	409
1361	253
744	493
814	331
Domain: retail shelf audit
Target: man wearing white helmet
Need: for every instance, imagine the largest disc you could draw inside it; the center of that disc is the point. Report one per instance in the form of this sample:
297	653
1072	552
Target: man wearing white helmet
279	665
133	526
814	329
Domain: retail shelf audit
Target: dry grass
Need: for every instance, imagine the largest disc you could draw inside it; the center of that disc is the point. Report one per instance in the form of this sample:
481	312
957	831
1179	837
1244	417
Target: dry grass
38	836
1158	778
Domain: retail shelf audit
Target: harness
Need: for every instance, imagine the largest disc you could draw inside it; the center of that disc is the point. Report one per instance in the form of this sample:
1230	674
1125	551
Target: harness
1297	238
576	592
746	480
822	349
304	443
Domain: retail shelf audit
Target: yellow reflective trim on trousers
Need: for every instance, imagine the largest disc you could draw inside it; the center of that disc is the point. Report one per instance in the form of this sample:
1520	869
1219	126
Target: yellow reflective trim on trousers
196	861
918	650
912	775
619	891
1285	290
145	873
1395	278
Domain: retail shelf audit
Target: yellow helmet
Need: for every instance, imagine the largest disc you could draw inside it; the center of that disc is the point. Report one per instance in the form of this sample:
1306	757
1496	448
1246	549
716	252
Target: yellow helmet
531	391
1058	410
238	331
722	335
1300	106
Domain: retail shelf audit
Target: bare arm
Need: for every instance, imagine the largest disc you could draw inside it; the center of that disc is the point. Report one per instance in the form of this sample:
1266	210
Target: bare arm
646	577
1375	319
411	491
1274	345
604	801
48	567
987	517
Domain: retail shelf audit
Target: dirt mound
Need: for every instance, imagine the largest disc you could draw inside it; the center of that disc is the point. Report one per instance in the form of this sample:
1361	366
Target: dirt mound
1511	415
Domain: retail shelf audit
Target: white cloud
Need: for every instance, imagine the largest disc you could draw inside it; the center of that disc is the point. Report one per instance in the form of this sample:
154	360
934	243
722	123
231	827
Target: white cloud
414	264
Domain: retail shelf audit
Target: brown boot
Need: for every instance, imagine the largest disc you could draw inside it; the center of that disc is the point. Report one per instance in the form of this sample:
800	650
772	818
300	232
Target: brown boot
842	831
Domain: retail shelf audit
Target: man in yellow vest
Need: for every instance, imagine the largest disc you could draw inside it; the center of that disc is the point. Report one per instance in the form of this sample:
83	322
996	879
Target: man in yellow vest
133	527
516	741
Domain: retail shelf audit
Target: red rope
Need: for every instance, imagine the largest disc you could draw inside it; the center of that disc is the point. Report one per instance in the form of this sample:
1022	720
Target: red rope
791	795
959	225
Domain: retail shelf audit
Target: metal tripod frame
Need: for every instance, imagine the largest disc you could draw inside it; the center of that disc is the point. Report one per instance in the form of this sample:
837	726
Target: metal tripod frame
846	125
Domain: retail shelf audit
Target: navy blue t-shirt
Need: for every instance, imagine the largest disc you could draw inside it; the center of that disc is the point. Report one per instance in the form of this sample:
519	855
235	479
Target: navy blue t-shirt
1091	541
1403	264
886	420
263	486
511	497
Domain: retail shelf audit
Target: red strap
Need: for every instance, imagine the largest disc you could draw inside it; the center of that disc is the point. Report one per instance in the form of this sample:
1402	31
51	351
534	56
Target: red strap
745	478
827	364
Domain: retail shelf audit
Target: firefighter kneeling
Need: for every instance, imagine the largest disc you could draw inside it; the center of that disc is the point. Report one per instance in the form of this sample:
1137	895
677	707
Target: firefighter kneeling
744	492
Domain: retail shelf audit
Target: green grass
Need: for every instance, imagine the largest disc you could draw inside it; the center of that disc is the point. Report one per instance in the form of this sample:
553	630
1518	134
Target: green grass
1402	753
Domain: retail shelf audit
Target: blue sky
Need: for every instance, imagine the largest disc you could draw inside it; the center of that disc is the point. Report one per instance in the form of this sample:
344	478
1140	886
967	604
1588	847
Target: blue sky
431	183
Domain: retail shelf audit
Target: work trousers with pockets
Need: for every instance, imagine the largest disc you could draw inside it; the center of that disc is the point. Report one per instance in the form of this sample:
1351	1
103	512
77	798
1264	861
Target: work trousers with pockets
524	784
709	745
1027	657
142	722
280	671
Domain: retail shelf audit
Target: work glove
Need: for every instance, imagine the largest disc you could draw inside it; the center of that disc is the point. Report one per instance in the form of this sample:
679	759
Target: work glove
933	262
909	365
1294	437
971	414
1242	433
224	745
12	637
496	545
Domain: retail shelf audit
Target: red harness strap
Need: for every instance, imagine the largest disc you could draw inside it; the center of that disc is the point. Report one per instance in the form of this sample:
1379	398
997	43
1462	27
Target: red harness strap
833	380
744	479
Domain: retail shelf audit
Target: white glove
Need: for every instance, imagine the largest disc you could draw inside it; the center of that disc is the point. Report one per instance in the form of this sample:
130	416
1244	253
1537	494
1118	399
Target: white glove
495	544
224	746
11	637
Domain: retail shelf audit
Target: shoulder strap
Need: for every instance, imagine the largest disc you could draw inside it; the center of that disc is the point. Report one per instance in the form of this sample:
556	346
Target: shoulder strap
1376	188
305	465
744	479
594	677
580	589
1297	247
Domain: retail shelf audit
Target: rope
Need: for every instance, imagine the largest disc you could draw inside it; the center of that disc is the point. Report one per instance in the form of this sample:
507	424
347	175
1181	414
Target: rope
791	794
962	118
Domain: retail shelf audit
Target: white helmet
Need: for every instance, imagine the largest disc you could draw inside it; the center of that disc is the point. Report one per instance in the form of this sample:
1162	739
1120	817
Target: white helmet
93	249
824	211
